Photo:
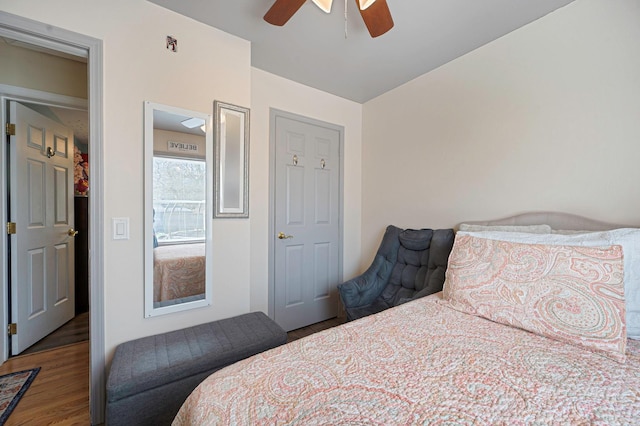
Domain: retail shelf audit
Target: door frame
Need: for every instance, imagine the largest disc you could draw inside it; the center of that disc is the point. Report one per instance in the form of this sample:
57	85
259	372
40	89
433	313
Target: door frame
273	115
51	37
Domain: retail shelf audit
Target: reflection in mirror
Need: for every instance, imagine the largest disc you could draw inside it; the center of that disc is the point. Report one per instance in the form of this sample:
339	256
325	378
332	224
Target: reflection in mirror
178	156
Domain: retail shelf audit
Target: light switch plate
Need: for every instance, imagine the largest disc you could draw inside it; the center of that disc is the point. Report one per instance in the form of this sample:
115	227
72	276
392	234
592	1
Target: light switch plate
120	228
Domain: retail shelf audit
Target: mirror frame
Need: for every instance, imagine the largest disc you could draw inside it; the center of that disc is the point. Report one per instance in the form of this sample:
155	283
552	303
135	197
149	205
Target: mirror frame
221	143
149	309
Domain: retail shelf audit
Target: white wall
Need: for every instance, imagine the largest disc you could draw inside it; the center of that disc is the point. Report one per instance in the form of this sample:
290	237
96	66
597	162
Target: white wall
139	68
270	91
545	118
161	139
209	64
22	67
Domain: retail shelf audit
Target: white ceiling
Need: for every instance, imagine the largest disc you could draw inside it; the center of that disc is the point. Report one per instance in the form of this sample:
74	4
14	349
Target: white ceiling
78	120
173	122
312	49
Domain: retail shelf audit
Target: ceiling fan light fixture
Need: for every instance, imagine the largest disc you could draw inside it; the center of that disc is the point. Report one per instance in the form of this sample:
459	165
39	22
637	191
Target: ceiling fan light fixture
325	5
193	122
365	3
375	13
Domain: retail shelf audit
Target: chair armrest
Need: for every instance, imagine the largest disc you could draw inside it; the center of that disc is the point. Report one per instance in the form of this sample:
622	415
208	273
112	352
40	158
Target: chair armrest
364	289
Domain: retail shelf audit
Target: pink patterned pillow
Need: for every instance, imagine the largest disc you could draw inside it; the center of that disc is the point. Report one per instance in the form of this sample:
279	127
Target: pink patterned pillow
567	293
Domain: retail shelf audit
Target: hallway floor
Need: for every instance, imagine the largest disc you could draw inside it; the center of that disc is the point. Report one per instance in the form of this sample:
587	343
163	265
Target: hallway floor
60	393
74	331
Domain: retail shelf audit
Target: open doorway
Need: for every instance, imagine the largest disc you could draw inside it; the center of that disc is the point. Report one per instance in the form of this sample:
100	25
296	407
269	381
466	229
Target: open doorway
48	296
51	37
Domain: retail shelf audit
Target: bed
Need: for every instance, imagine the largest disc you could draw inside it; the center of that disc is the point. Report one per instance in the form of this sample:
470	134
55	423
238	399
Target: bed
178	271
559	354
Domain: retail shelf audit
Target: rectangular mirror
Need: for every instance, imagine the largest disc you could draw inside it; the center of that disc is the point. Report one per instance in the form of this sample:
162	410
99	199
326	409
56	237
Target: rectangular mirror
178	146
232	160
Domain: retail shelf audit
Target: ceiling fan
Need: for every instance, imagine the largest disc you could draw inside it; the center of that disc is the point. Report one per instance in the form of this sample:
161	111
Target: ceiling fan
375	13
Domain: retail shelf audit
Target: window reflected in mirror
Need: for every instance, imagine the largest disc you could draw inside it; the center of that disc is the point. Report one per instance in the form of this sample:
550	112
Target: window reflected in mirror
177	198
178	229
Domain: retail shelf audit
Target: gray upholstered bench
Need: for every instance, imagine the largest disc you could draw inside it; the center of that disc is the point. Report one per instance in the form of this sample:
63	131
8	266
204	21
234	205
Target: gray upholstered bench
151	377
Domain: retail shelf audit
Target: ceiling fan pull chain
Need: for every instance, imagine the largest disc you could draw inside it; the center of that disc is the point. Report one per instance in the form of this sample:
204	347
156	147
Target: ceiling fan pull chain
345	18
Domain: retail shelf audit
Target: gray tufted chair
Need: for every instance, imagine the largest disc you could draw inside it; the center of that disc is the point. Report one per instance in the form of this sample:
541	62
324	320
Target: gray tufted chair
410	263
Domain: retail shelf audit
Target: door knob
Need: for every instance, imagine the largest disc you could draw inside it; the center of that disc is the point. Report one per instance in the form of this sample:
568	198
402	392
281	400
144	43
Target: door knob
71	232
282	236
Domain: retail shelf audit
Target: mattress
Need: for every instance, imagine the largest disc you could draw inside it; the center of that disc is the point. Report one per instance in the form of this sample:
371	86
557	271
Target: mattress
422	363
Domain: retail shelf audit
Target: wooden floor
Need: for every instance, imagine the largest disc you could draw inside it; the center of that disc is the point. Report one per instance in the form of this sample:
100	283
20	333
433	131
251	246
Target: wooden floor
60	393
74	331
313	328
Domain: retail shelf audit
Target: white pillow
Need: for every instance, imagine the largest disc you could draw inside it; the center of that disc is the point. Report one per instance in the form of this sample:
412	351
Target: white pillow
628	238
533	229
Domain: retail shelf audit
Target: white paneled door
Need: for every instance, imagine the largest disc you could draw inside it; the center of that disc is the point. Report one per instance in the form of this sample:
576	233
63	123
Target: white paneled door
307	222
41	205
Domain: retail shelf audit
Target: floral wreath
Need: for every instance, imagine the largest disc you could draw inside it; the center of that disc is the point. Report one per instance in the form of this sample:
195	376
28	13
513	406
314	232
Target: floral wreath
80	172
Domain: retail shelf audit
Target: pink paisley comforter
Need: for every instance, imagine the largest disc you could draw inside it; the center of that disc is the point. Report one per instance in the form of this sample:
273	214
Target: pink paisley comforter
178	271
421	363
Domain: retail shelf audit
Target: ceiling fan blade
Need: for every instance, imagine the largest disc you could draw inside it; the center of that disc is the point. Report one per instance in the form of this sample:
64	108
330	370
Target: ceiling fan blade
282	11
377	17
